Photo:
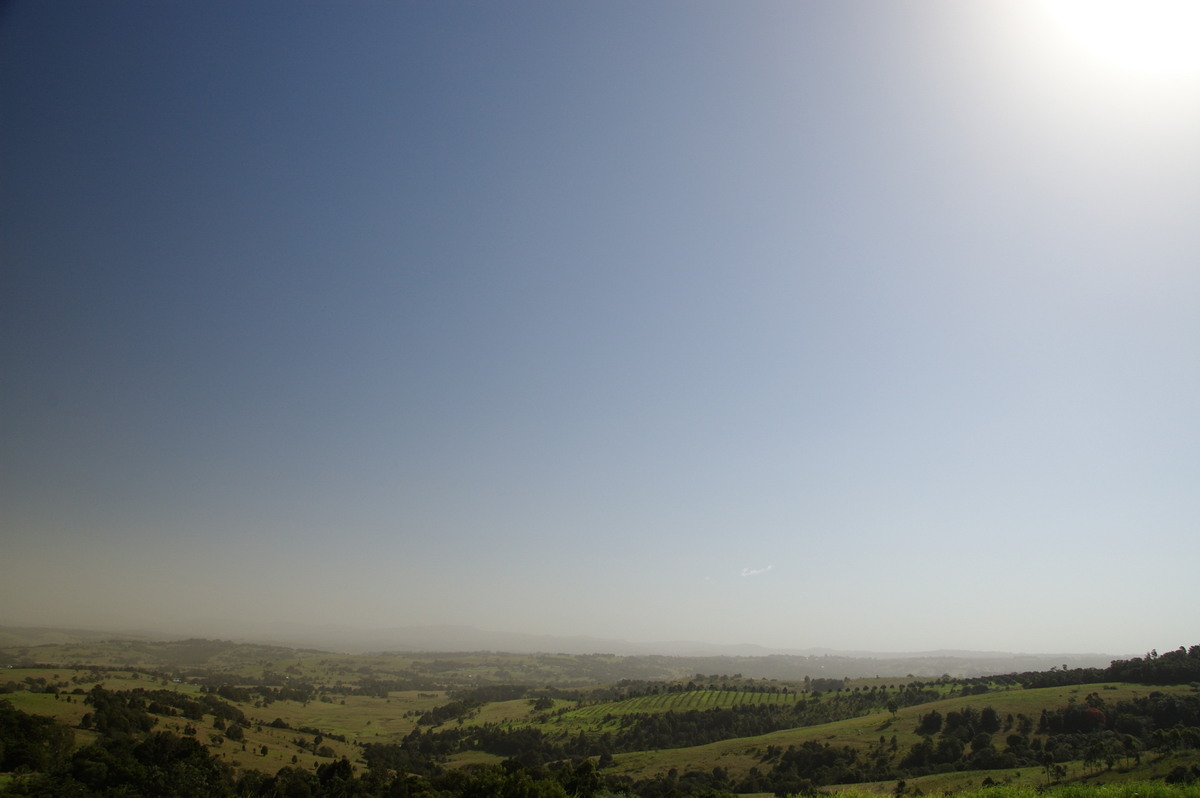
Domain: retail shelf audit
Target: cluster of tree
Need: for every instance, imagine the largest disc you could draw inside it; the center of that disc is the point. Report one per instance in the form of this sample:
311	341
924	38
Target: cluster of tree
231	692
34	684
1105	733
380	688
495	692
965	742
1181	666
161	764
1137	716
260	693
455	710
1098	734
126	712
629	688
167	764
800	768
31	742
117	714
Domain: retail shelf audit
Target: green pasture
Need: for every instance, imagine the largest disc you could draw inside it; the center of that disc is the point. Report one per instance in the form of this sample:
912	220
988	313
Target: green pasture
686	701
364	718
247	753
473	758
600	717
740	754
518	711
57	707
864	732
69	679
1152	770
68	706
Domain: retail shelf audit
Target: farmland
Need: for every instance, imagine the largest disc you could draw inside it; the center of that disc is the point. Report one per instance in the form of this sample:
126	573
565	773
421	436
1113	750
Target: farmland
271	714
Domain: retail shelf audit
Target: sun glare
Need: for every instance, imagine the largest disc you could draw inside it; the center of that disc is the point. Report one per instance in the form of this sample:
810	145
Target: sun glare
1155	37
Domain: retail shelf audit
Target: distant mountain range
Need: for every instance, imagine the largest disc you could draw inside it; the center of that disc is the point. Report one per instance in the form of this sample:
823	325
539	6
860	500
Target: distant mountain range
751	660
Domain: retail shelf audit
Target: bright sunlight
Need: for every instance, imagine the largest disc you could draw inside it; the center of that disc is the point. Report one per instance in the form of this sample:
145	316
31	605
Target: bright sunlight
1156	37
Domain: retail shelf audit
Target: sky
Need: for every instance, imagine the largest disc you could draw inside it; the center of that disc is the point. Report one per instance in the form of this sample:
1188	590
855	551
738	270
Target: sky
860	325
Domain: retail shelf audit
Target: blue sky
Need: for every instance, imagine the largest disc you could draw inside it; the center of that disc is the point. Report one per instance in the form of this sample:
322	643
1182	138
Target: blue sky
862	325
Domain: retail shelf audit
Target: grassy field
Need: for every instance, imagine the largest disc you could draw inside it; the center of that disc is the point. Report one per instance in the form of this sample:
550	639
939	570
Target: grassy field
1151	771
684	702
862	733
362	718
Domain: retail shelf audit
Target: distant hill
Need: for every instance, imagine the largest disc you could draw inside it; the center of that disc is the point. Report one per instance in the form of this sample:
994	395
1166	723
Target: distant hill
776	663
18	636
670	657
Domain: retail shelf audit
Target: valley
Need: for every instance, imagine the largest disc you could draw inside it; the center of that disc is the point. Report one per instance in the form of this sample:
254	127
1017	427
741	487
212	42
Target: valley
261	717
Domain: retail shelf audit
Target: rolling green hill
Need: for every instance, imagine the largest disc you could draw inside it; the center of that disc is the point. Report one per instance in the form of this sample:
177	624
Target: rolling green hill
265	715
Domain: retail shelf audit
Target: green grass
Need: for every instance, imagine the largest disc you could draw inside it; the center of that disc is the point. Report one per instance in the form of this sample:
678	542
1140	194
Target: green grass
740	754
364	718
367	719
518	711
683	702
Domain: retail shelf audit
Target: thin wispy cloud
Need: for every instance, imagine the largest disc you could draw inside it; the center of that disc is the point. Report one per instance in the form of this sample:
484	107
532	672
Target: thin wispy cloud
756	571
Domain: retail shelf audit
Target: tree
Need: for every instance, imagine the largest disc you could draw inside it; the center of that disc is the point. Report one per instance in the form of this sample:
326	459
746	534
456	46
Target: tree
584	781
31	741
335	771
930	723
1047	762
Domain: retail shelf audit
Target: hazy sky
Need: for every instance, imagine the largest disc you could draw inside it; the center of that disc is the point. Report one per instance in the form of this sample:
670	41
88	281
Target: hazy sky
848	324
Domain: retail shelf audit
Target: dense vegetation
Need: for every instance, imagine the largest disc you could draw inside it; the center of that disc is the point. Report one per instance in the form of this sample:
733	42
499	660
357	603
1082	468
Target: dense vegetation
210	732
